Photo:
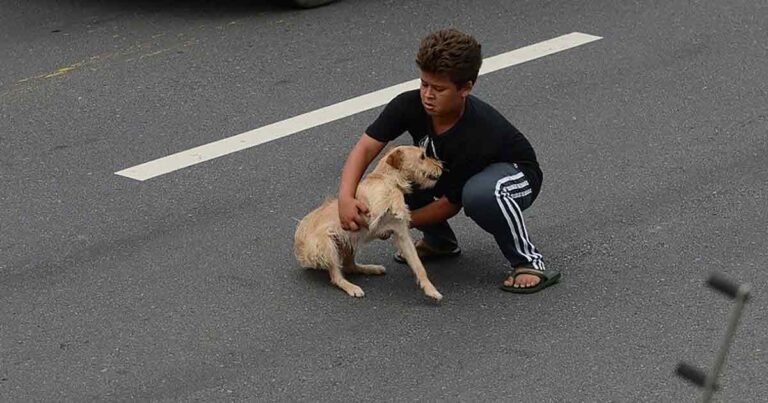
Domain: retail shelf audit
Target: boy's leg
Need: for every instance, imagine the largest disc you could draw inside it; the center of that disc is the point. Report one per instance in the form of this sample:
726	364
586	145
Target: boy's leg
495	199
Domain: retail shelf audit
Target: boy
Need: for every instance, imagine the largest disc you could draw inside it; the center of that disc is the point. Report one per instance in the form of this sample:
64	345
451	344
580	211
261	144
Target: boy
491	168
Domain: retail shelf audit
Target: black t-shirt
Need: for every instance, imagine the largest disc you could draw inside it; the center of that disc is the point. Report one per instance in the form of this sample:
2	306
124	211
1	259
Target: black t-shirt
481	137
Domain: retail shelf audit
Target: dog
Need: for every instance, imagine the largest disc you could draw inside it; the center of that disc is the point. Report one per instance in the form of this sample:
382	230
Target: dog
321	243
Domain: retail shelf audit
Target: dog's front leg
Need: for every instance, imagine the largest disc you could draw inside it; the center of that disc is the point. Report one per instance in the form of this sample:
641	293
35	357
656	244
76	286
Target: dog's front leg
408	250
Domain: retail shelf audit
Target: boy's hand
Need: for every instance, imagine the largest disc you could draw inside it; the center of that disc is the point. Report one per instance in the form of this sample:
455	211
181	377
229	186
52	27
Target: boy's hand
351	213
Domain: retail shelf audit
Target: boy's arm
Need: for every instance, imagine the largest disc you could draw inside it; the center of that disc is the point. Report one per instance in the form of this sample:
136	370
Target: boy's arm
433	213
366	149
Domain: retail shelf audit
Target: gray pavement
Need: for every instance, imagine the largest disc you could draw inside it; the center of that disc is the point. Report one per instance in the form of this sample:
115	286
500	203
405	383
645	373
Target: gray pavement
653	143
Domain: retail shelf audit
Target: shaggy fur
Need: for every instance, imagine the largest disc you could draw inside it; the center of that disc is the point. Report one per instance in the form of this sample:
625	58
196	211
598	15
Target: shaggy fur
321	243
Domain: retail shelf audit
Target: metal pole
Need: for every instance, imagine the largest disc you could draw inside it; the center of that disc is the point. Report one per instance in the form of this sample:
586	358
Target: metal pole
709	386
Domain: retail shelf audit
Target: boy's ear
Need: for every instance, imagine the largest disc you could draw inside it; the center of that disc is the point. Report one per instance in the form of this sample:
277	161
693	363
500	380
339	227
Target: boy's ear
466	89
395	159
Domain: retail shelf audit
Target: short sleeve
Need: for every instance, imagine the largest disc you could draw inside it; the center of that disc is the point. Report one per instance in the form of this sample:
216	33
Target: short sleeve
392	122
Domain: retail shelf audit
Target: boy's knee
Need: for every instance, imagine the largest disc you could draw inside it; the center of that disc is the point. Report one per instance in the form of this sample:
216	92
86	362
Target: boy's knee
477	196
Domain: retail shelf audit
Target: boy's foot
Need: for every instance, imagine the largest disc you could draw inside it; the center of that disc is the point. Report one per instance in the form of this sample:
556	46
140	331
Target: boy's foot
427	252
526	280
521	280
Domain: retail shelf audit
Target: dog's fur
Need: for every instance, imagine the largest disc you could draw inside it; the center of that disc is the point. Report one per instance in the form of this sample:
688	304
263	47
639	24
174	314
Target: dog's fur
321	243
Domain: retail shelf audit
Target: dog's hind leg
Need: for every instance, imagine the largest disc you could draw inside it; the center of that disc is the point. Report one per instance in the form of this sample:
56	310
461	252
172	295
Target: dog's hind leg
337	278
348	264
335	264
367	269
408	250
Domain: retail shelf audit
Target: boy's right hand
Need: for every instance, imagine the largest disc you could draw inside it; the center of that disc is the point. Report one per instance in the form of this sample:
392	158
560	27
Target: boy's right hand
351	213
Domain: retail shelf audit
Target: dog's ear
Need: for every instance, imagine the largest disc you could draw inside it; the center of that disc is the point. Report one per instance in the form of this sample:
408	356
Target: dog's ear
395	159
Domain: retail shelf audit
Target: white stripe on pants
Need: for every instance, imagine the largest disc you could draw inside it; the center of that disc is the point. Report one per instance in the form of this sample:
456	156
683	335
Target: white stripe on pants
514	216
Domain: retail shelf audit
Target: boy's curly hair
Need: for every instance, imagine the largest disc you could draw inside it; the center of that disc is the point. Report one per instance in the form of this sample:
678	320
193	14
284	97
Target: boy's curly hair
450	52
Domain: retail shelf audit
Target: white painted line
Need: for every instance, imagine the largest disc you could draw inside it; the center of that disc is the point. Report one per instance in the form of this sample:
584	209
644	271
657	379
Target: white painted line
337	111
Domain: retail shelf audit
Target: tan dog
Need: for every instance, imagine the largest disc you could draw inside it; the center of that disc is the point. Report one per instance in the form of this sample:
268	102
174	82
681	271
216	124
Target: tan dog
321	243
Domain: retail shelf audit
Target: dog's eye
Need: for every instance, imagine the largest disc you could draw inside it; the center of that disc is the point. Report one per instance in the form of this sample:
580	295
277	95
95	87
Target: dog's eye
423	156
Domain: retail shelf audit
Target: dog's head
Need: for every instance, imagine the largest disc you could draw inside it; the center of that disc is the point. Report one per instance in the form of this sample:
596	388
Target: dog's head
414	165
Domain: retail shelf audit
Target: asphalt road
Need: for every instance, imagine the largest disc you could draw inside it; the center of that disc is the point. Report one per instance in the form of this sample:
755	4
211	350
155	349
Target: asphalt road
653	143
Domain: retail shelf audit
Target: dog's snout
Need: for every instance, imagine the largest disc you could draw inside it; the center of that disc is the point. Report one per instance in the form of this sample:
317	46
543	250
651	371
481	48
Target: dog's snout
435	175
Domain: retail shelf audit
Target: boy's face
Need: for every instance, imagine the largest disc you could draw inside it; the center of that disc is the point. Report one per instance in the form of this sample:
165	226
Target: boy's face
439	95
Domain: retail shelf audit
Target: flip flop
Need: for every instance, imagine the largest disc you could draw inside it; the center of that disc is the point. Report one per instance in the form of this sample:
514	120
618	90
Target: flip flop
427	253
548	277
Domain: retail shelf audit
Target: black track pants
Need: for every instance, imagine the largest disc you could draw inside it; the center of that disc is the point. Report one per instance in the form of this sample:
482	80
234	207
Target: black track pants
495	199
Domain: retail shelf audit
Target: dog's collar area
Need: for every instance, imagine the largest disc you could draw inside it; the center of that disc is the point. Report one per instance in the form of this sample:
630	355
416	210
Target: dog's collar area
428	145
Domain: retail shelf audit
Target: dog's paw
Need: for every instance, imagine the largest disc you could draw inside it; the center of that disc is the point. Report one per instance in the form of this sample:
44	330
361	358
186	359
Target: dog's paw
371	269
432	292
355	291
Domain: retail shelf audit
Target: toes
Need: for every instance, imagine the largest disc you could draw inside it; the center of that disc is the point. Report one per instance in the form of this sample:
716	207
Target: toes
432	292
522	281
436	296
526	281
355	291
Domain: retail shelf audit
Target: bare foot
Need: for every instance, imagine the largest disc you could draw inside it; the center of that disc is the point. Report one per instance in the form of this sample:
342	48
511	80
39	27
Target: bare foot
522	281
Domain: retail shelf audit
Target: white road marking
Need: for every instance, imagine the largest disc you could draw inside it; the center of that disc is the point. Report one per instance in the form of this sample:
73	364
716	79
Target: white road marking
337	111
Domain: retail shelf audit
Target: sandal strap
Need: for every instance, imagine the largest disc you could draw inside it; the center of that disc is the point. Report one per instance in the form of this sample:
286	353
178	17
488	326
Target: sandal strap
542	274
